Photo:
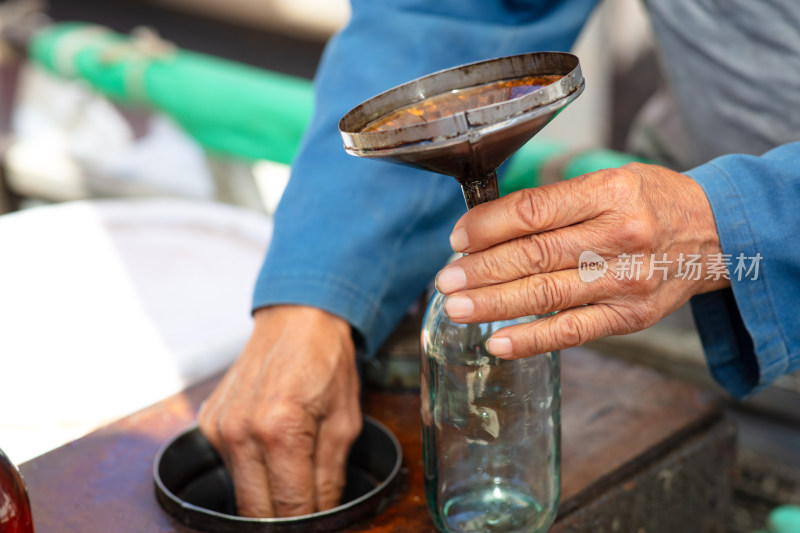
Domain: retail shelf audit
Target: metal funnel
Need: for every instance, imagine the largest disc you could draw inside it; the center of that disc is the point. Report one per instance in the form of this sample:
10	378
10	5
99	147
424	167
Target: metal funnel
470	134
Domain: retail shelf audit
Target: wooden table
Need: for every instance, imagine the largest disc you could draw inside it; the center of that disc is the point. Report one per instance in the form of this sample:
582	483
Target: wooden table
641	452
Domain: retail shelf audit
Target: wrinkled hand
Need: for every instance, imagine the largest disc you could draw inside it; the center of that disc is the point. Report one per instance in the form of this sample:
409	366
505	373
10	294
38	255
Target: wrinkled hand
524	254
286	413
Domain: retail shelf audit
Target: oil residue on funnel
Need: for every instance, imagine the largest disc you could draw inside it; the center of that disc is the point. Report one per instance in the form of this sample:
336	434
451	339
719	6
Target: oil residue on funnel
458	101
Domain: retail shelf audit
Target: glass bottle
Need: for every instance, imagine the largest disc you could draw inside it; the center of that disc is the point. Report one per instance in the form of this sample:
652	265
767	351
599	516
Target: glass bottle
490	429
15	508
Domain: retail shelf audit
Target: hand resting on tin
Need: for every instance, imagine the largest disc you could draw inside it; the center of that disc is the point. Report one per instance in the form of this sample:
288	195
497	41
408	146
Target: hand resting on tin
286	413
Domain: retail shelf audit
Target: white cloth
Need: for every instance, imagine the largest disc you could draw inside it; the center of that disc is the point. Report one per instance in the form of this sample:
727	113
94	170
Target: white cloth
109	306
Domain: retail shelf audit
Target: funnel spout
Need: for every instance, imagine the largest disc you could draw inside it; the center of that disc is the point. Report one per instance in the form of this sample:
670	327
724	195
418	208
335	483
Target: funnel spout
478	191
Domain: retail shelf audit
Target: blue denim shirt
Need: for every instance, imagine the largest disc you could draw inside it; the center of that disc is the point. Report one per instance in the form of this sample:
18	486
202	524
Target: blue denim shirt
362	238
750	332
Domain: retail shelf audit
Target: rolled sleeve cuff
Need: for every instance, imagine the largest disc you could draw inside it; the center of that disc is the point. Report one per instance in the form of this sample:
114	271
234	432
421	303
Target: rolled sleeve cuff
738	326
328	292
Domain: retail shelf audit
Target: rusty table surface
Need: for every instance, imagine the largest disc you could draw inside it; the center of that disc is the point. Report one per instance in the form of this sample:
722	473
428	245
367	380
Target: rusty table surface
615	418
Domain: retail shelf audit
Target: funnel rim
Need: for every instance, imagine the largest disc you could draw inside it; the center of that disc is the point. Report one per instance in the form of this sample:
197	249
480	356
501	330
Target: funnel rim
425	145
454	127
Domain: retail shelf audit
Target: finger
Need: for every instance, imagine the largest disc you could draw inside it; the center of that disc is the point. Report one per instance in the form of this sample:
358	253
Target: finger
336	436
532	210
209	410
213	409
566	329
525	256
247	468
531	295
286	435
250	483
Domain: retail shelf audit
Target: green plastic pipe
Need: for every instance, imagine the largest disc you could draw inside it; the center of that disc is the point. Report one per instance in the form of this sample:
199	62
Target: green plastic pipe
525	168
784	519
229	108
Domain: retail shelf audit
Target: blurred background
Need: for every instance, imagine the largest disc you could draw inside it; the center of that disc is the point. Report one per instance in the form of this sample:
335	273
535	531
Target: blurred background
135	215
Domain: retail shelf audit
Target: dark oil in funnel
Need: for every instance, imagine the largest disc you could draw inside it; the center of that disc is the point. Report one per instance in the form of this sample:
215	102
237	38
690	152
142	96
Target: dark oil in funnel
459	101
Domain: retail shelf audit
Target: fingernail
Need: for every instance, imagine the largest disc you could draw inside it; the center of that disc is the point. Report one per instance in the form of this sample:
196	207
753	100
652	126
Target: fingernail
451	279
458	307
458	240
499	346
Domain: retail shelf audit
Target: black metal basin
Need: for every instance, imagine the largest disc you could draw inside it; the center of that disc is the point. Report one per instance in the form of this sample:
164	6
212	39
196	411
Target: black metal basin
193	485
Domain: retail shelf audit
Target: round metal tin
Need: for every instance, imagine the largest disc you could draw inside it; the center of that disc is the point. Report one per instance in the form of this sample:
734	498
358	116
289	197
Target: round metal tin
193	485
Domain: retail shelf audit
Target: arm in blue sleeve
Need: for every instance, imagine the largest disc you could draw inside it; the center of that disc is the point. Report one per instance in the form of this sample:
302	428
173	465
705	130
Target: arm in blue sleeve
749	331
362	238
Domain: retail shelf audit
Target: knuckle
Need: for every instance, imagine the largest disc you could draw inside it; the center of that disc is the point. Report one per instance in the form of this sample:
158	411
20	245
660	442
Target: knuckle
209	431
204	417
233	430
291	503
530	209
329	492
635	167
488	266
353	430
535	254
544	295
608	183
344	435
572	330
634	234
621	184
208	425
283	426
331	487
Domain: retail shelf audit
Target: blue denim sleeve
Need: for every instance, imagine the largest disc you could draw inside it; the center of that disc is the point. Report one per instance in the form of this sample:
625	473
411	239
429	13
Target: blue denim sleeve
362	238
749	331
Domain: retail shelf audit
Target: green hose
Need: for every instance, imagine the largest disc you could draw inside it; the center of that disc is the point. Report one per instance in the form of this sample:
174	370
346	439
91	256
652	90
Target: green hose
527	167
229	108
784	519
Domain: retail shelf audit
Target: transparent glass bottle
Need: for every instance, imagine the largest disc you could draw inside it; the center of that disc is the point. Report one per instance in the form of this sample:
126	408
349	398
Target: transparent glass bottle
490	429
